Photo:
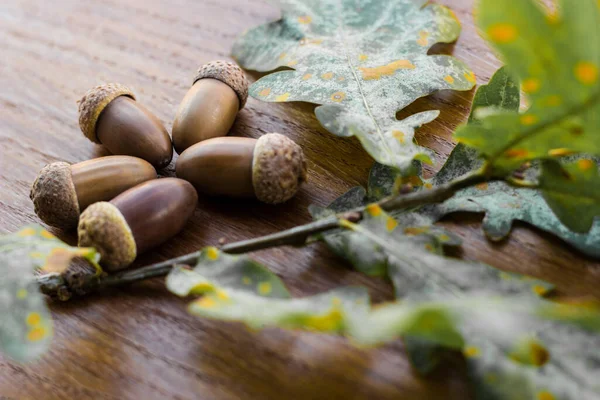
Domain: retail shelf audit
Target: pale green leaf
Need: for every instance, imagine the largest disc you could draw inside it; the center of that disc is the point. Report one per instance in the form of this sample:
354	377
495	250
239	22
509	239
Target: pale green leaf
557	59
362	61
502	203
25	322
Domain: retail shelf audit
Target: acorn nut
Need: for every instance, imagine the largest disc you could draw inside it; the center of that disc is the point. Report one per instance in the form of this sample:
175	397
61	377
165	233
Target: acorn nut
209	108
62	191
271	168
109	115
136	220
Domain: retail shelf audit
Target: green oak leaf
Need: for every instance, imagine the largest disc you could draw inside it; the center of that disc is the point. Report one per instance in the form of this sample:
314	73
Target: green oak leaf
572	191
499	342
25	322
234	288
362	61
216	269
501	202
557	59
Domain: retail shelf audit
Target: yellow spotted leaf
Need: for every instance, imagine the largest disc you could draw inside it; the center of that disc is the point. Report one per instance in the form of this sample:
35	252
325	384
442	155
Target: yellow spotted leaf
362	62
555	54
25	323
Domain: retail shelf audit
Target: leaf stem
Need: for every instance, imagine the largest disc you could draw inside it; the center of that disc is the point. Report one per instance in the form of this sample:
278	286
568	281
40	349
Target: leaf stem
57	286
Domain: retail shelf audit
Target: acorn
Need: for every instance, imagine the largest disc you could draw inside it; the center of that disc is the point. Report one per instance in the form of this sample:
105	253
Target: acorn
271	168
208	110
137	220
109	115
62	191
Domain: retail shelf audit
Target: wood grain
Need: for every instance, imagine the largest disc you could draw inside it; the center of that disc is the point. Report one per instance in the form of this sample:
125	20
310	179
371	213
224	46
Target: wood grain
138	342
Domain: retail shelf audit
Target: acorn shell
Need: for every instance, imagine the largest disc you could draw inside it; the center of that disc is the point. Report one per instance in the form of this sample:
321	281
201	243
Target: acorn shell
278	168
94	102
230	74
54	196
103	226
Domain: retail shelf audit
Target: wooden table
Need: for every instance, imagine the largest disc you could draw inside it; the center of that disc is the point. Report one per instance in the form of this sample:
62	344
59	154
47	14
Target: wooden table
138	342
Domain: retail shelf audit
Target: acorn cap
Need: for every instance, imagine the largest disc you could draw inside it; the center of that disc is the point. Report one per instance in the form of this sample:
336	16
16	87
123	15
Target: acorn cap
230	74
103	226
54	196
94	102
278	168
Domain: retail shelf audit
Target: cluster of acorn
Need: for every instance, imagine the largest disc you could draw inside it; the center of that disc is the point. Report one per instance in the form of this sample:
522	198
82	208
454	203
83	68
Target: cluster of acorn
117	204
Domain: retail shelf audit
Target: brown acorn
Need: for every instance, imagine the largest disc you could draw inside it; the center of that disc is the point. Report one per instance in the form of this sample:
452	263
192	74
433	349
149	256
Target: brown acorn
271	168
62	191
137	220
209	108
109	115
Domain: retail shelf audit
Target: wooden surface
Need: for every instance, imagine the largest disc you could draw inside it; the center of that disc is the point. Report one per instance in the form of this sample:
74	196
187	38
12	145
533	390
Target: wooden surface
138	342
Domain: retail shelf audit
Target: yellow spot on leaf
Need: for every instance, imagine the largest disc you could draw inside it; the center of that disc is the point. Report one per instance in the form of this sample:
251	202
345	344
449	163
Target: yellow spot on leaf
292	63
416	230
553	101
36	334
327	76
422	40
264	288
470	76
586	73
545	395
552	18
374	210
482	186
206	302
21	294
33	319
471	351
363	57
444	238
212	253
325	323
428	185
265	92
398	135
341	78
222	295
202	287
429	247
246	280
539	290
529	119
338	97
386	70
283	97
560	152
502	33
307	77
27	232
306	19
36	254
531	85
391	224
45	234
516	153
538	354
449	79
282	56
585	165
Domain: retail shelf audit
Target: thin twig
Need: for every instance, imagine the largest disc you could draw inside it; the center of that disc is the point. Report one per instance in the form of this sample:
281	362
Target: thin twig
56	286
